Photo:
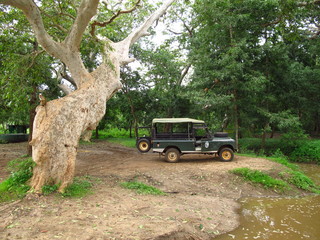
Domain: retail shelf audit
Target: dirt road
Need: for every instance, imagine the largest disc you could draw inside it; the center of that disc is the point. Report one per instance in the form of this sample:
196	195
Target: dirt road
201	199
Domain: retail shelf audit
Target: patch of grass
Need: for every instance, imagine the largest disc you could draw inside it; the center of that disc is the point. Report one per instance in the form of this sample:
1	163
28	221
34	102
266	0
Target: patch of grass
142	188
15	187
300	180
80	187
48	189
127	142
293	176
259	177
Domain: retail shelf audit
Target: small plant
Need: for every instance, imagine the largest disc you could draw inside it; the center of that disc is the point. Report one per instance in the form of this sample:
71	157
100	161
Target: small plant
15	186
256	176
142	188
48	189
79	188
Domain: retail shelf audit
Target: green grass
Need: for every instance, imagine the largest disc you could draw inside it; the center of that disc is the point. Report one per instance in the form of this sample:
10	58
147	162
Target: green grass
259	177
292	176
127	142
15	186
142	188
80	187
300	180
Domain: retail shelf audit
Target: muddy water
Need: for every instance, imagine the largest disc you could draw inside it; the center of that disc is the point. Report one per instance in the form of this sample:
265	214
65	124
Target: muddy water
280	218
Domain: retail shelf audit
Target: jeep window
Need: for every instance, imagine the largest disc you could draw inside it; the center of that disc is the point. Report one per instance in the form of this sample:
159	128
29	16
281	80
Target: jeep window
172	130
201	131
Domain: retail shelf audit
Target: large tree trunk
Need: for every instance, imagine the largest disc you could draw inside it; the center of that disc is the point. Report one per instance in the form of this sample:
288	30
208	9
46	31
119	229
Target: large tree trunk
59	124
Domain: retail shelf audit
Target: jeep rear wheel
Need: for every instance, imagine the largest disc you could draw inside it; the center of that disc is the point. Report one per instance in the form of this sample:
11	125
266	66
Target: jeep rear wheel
226	155
143	145
172	155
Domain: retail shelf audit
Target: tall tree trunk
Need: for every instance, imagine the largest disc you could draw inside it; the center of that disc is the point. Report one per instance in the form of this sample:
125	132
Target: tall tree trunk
58	126
32	114
236	119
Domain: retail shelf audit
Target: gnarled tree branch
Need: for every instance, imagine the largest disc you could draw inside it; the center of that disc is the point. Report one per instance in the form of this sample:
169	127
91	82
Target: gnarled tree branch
123	46
103	24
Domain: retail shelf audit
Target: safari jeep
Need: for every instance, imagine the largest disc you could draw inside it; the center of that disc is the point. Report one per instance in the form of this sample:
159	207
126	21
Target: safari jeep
173	137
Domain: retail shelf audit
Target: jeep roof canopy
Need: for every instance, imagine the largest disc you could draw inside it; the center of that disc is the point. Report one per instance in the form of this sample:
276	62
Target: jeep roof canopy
176	120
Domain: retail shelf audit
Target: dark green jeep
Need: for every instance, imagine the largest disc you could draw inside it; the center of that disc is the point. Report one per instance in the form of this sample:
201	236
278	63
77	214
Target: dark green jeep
174	137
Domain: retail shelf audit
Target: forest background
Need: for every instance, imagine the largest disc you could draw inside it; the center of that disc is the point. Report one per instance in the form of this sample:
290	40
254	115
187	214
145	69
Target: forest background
248	67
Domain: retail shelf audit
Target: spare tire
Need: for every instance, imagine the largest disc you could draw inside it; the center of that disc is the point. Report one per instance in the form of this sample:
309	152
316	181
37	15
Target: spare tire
220	134
144	145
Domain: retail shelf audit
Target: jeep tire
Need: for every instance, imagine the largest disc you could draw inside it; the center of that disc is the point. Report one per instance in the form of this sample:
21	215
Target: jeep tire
144	145
172	155
226	155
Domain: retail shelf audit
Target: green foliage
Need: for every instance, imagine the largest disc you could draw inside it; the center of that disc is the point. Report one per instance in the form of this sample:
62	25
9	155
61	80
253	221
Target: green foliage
142	188
308	151
300	180
293	176
80	187
48	189
296	149
15	186
114	133
259	177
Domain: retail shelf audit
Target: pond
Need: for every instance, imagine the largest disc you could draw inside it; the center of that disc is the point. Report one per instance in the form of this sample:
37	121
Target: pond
280	218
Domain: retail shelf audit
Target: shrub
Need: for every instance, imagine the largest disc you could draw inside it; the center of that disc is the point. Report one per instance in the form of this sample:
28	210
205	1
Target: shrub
300	150
308	151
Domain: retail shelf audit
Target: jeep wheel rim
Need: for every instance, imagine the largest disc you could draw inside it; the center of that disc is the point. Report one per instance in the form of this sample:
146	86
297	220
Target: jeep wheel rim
226	155
172	156
143	146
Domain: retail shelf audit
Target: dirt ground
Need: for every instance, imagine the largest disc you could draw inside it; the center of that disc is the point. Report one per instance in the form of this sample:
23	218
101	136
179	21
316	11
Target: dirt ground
201	200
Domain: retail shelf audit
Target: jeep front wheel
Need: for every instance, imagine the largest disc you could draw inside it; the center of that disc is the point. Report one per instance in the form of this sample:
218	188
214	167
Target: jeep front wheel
172	155
144	145
226	155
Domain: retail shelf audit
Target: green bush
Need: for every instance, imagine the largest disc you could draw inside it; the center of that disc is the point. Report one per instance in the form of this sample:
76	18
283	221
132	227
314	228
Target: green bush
297	150
308	151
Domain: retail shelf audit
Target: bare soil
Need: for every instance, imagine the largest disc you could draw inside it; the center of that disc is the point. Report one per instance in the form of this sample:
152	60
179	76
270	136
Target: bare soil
201	200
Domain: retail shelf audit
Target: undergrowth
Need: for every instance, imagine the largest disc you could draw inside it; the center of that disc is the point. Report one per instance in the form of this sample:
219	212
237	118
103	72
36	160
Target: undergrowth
15	186
142	188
